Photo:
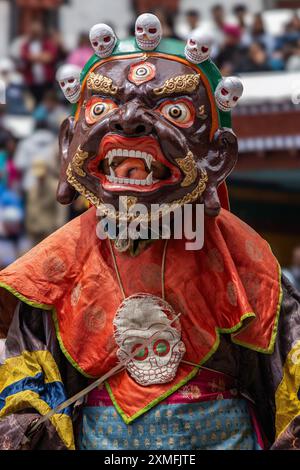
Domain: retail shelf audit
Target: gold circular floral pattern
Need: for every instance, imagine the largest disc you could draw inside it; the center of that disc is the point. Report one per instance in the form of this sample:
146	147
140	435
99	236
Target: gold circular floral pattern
251	284
54	268
94	319
253	251
215	260
75	294
231	291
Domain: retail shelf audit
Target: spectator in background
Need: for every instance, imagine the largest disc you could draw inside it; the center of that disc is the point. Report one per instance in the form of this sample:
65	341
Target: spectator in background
13	242
293	61
219	22
57	39
11	209
39	55
82	52
50	110
43	214
256	60
240	12
191	21
293	26
260	35
231	52
7	149
167	22
41	145
15	88
293	272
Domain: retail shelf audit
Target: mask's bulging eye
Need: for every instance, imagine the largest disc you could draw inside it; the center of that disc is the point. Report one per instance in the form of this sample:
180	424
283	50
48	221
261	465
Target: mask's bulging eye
181	112
97	108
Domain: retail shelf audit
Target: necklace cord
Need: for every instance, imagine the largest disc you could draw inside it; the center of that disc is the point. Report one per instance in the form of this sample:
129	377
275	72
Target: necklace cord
163	266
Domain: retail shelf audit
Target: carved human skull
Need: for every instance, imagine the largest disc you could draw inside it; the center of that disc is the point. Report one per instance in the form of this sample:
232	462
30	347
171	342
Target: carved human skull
228	92
148	31
198	47
142	325
103	40
68	77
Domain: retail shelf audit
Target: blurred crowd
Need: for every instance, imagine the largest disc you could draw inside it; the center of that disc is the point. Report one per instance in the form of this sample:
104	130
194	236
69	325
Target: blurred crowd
242	42
29	163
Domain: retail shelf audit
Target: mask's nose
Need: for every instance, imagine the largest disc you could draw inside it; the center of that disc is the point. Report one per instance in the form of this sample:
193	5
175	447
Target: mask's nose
131	121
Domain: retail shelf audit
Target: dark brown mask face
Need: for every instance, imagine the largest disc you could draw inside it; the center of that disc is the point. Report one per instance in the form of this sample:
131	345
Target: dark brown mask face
144	131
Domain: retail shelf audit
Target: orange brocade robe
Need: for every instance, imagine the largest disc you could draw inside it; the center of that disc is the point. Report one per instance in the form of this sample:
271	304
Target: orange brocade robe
232	285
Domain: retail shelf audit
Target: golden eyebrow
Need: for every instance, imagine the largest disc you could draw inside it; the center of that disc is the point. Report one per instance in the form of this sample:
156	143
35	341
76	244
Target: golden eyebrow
182	83
100	83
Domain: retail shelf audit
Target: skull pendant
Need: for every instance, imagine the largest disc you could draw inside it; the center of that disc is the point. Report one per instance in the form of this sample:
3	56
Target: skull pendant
143	324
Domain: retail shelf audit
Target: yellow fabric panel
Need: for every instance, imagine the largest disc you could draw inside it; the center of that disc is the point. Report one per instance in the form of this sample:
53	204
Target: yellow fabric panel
30	399
286	399
28	364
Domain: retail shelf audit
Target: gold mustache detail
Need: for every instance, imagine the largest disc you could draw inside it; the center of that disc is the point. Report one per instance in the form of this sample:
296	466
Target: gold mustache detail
189	168
78	161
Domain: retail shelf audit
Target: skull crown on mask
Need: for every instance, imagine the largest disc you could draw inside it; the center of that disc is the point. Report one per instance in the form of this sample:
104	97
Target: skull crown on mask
148	31
198	47
68	77
103	40
228	92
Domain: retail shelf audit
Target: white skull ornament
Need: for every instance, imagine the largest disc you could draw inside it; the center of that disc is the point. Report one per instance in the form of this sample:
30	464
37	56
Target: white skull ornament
142	325
68	77
103	40
228	92
198	47
148	31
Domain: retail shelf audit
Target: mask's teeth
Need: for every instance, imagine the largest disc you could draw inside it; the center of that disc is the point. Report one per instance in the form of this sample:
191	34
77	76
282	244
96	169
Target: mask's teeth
148	160
112	173
149	179
110	157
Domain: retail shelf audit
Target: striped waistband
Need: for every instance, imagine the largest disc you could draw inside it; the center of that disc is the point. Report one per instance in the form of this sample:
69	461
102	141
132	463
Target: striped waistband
207	385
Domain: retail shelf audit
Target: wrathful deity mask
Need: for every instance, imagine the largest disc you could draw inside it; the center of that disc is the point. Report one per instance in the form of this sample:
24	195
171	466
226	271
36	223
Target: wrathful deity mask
149	126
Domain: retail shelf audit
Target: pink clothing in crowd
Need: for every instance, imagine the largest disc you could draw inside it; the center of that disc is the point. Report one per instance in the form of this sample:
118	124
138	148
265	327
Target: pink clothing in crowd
80	56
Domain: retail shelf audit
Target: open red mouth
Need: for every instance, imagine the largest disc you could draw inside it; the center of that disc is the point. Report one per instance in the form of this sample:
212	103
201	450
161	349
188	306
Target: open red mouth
135	163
